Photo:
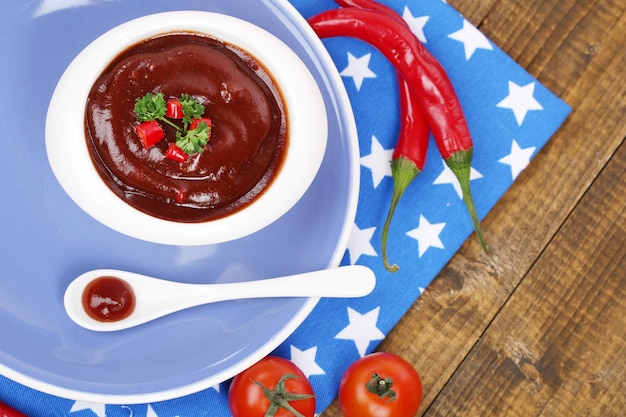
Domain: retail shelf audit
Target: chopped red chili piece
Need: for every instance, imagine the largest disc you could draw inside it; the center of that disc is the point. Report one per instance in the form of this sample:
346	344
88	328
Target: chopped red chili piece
195	122
174	109
150	133
175	153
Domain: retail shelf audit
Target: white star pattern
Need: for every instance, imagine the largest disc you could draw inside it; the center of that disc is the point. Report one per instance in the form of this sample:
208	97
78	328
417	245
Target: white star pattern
448	177
416	24
305	360
518	159
472	39
98	409
520	100
358	69
378	161
427	235
151	412
359	243
362	329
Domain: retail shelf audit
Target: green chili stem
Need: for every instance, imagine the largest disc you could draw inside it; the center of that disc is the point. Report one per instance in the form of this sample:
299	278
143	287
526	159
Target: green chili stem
403	172
460	165
169	122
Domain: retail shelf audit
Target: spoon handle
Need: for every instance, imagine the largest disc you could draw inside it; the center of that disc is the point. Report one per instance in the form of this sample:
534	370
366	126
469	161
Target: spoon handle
347	281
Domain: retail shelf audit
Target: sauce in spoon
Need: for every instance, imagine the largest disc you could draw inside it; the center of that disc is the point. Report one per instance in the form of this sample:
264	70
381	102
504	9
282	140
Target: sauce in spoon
108	299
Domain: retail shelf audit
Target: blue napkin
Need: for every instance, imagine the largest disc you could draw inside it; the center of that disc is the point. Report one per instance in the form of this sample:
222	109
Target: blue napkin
511	116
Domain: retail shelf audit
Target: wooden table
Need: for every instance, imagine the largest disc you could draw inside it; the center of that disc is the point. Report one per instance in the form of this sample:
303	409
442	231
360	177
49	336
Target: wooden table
537	327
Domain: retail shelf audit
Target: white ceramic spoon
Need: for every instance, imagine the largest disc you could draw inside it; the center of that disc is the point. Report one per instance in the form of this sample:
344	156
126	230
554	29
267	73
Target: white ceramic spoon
155	298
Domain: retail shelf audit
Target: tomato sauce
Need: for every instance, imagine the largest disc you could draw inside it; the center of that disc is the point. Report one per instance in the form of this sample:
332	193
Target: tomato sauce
248	137
108	299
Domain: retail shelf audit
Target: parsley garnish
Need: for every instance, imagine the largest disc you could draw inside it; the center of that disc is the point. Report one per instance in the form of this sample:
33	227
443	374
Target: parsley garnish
154	107
194	140
150	107
191	109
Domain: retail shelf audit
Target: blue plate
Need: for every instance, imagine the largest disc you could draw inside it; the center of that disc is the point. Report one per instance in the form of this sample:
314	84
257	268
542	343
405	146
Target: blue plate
48	240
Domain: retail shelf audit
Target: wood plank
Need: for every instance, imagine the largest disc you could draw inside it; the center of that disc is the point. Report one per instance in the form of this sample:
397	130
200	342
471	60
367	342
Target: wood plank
557	347
529	216
474	11
555	40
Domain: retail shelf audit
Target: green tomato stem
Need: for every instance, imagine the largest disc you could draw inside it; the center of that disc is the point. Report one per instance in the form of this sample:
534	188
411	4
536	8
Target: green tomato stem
381	387
279	397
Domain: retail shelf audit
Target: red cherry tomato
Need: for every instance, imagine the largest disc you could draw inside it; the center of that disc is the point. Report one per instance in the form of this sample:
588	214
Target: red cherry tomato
380	385
272	387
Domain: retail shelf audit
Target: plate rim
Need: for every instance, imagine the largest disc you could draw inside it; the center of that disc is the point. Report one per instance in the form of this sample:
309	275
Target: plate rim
343	109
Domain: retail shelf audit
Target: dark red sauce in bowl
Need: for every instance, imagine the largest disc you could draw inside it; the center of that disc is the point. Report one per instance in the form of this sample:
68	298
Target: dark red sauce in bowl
248	137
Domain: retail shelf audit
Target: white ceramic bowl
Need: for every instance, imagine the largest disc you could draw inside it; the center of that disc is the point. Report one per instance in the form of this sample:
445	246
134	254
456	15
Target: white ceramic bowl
69	157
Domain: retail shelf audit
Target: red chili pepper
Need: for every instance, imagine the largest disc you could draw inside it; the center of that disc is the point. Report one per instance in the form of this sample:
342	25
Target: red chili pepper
175	153
6	411
410	151
373	6
427	79
195	122
409	157
174	109
150	133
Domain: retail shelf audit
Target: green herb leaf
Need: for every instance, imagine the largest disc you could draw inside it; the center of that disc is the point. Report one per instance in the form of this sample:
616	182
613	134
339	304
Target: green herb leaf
194	140
150	107
192	109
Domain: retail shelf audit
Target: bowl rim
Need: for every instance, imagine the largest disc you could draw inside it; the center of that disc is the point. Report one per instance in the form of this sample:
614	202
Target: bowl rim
71	163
